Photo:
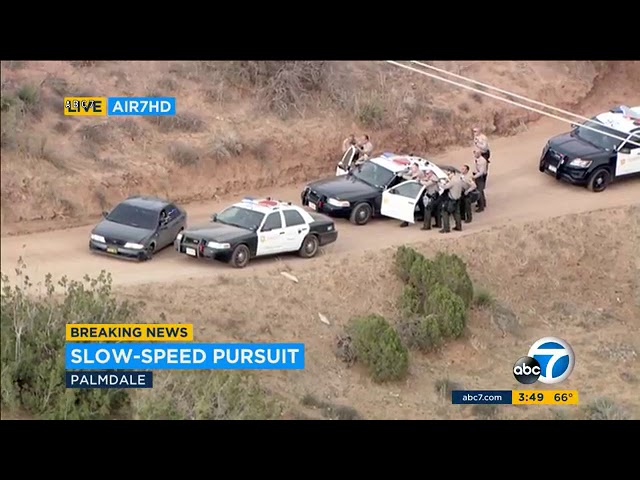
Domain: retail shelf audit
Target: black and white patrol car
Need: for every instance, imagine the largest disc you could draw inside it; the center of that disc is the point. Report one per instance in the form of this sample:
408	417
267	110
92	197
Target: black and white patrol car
590	158
356	192
255	228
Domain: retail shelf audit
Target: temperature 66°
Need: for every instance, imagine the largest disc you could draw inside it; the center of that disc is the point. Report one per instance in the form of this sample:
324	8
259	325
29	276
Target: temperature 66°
562	397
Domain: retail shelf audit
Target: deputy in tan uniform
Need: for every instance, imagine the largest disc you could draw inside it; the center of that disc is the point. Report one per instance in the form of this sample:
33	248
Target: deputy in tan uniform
451	205
431	194
348	142
366	147
481	142
469	195
480	177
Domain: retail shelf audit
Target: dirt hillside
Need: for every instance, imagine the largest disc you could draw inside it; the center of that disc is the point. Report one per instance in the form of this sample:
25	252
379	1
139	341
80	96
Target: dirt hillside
245	125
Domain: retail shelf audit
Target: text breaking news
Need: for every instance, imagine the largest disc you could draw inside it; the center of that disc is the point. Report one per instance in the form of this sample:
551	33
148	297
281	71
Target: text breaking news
119	106
176	356
514	397
129	332
96	379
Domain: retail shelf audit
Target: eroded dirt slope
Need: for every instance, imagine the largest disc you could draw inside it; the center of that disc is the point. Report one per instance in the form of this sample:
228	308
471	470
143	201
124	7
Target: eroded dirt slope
237	131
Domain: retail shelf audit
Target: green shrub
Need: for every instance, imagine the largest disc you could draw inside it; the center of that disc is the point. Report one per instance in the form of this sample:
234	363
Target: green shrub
33	346
483	298
449	309
422	333
404	259
206	395
423	276
452	272
379	347
29	94
411	301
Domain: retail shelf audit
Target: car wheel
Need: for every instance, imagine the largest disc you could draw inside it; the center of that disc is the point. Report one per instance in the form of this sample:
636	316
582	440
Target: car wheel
361	214
599	180
240	257
310	246
148	254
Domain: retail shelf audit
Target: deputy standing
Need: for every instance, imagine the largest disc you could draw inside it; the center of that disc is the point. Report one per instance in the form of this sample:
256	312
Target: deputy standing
451	205
480	177
366	147
468	196
430	200
481	142
348	142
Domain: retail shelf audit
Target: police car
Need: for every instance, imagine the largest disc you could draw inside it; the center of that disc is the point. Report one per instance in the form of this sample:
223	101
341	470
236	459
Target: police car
591	158
358	193
255	228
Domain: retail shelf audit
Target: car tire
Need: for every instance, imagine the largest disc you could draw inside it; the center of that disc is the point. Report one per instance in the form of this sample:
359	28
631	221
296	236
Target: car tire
310	246
599	180
361	214
148	254
240	257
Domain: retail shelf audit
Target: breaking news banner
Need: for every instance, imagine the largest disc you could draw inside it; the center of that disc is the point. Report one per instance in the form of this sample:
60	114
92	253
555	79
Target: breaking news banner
514	397
176	356
94	379
129	332
119	106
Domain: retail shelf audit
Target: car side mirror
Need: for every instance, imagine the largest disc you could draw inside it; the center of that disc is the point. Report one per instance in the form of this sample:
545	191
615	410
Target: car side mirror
624	150
105	213
214	217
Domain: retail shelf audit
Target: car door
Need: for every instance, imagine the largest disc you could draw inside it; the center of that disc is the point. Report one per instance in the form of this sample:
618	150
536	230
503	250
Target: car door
400	202
295	230
346	161
164	231
271	235
628	158
174	223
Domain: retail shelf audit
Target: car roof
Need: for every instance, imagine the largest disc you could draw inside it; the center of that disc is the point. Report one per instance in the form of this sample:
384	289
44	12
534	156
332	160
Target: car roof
398	163
146	202
264	205
623	119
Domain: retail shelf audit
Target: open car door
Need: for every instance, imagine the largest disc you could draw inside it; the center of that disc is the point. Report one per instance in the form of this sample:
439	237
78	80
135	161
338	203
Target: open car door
347	160
628	161
401	202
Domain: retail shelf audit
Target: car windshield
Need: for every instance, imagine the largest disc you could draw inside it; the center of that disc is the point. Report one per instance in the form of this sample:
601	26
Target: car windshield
598	139
241	217
126	214
373	174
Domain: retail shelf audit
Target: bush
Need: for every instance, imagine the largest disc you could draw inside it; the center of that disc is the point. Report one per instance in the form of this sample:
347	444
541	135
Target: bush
604	409
378	346
483	298
449	310
422	333
432	303
452	272
183	154
29	94
207	395
33	346
404	258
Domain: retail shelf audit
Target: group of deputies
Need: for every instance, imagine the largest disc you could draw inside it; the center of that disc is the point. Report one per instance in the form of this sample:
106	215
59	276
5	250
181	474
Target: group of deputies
455	196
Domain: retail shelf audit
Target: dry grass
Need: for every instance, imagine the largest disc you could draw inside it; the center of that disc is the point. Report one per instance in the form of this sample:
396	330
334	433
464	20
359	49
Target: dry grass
480	360
183	122
183	154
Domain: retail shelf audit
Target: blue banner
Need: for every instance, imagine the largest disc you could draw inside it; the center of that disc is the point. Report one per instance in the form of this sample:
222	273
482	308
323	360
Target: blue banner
180	356
141	106
481	397
95	379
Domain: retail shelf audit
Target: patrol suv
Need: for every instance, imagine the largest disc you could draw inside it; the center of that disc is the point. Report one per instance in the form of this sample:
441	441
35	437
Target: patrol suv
255	228
592	158
357	194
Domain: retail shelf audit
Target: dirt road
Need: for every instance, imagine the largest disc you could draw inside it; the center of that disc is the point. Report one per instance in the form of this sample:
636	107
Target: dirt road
517	192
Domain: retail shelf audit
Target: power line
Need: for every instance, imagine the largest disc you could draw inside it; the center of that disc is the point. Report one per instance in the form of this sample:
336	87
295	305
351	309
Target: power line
491	87
502	99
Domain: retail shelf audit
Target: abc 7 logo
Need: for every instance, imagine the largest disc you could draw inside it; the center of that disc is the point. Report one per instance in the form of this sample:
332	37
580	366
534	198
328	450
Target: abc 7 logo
557	362
527	370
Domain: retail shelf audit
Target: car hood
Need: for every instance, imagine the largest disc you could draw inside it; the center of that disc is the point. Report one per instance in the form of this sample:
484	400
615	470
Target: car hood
342	186
119	231
217	232
573	147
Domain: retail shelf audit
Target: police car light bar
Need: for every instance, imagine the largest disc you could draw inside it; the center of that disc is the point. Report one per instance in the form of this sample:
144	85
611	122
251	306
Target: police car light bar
249	199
